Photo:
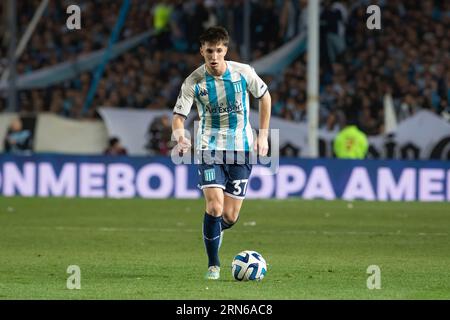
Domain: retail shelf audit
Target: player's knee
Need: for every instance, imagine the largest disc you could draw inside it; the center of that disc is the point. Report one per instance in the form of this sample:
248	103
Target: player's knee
215	208
231	219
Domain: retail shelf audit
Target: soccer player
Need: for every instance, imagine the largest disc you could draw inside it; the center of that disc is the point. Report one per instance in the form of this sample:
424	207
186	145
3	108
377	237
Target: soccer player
220	90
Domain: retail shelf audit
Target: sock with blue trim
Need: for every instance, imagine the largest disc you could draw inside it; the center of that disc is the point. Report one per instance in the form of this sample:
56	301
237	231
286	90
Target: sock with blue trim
227	225
211	237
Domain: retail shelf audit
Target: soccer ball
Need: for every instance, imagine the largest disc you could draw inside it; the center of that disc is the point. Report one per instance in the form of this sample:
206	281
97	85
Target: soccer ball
248	265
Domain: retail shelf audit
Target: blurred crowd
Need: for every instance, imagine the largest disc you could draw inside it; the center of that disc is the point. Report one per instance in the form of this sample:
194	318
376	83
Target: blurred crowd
408	58
149	76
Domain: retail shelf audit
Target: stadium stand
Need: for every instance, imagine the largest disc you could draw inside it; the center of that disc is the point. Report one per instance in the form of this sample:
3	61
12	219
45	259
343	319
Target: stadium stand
356	68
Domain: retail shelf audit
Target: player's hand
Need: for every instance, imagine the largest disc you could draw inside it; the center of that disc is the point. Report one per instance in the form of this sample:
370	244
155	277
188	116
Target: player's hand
262	145
183	146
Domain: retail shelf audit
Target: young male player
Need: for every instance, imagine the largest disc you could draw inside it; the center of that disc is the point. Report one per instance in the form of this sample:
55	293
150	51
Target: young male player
220	90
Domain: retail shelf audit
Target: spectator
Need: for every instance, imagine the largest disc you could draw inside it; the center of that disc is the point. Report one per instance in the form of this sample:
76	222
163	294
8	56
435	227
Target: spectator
351	143
115	148
159	134
161	23
18	139
289	150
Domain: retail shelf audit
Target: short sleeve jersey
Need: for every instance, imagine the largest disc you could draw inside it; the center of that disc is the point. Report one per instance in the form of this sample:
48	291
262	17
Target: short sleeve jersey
223	105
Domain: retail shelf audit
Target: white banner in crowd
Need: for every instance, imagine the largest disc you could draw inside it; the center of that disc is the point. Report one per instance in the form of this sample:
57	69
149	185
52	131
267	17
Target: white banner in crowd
57	134
422	136
425	135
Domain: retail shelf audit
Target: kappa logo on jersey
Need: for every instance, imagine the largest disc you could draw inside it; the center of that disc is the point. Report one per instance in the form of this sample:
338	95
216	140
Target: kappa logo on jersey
237	86
203	92
210	175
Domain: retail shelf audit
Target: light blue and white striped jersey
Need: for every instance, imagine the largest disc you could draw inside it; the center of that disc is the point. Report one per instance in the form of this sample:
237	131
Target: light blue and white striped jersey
223	105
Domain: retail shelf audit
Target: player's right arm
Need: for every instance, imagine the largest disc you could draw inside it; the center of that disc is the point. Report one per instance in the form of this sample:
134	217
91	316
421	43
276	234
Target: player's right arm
180	113
183	143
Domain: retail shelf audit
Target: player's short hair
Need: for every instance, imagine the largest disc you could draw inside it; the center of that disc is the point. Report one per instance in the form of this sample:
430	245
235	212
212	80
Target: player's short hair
215	35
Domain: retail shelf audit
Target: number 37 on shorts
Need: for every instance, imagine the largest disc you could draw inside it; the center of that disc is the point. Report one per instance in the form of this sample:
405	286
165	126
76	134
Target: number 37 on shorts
232	178
238	190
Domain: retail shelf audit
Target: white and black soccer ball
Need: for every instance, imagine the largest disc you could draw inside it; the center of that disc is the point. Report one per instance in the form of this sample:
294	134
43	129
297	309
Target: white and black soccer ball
248	265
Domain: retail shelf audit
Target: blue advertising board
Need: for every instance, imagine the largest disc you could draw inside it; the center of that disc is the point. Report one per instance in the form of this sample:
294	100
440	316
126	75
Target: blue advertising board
46	175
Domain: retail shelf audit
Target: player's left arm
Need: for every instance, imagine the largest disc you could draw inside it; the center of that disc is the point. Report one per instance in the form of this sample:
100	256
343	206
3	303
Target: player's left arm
260	91
262	142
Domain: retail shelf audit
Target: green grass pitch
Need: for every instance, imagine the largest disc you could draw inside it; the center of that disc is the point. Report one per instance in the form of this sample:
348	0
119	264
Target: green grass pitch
153	249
